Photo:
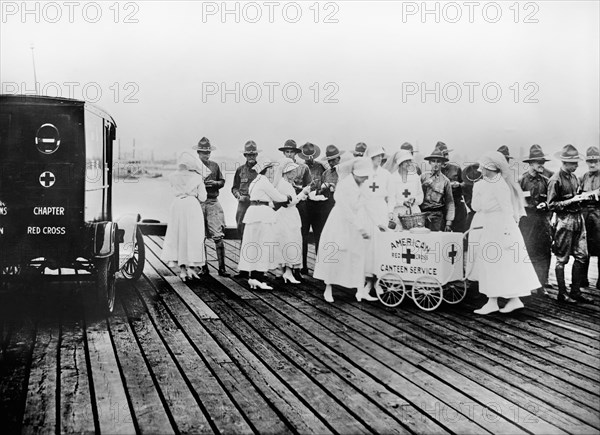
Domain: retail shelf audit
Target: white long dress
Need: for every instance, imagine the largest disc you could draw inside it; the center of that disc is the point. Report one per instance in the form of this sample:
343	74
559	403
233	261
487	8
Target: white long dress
341	257
259	241
288	229
375	192
502	269
401	191
184	239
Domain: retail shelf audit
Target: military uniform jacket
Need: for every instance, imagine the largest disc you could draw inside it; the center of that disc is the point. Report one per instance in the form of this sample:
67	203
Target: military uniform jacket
561	187
316	174
303	177
535	189
437	195
244	175
589	182
215	175
454	173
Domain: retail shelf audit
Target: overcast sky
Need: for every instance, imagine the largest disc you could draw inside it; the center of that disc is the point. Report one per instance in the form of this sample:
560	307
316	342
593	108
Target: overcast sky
371	60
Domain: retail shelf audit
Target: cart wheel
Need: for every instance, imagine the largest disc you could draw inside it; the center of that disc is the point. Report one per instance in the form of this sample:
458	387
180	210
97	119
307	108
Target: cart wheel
427	293
105	284
390	289
455	291
134	267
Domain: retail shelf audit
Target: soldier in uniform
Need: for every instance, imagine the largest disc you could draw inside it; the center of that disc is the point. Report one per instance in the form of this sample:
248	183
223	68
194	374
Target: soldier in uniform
214	218
453	172
330	178
314	208
569	228
438	203
302	179
590	182
244	175
535	226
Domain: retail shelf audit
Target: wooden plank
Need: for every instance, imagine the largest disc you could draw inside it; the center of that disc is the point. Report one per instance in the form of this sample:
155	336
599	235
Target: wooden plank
508	383
349	412
112	406
181	403
492	342
16	348
518	330
534	321
402	373
149	412
333	365
548	309
41	406
405	345
217	404
551	390
76	414
258	411
292	410
349	384
194	303
227	283
519	339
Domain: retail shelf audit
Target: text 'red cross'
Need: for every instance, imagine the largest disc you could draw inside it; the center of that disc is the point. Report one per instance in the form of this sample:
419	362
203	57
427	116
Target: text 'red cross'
408	256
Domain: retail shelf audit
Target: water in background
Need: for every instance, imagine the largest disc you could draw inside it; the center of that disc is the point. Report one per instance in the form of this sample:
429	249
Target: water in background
152	197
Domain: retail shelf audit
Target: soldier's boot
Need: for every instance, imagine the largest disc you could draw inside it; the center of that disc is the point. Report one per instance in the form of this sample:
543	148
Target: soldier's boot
220	248
576	276
562	297
546	269
584	274
304	270
538	266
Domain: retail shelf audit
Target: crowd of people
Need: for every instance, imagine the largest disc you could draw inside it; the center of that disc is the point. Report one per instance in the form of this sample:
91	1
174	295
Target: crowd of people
345	198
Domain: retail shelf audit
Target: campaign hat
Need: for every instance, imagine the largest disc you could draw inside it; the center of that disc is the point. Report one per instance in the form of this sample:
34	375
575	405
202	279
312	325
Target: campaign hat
441	145
251	148
438	153
290	145
592	153
309	150
536	154
569	154
203	145
331	152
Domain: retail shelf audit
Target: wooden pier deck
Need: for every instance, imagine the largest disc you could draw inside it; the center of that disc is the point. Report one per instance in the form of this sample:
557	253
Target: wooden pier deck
213	356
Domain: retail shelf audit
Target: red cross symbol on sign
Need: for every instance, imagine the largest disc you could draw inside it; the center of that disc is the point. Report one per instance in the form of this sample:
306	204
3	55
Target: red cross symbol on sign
47	179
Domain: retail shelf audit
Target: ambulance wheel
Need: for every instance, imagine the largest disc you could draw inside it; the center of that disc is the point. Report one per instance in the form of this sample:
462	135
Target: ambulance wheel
134	267
427	293
390	289
105	284
455	291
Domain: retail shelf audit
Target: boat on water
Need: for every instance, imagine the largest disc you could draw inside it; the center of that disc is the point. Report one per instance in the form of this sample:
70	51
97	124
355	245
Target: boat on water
134	169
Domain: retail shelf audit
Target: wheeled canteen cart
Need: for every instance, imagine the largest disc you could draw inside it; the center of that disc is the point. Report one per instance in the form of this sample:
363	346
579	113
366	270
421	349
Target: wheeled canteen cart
428	266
